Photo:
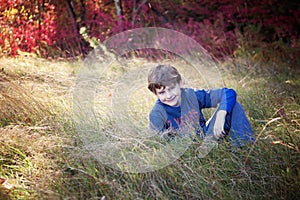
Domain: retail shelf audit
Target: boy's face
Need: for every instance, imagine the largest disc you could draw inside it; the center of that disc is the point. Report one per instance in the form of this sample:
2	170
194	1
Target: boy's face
170	95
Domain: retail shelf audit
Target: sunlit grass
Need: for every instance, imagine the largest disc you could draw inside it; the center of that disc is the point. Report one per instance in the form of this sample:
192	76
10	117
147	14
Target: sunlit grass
42	156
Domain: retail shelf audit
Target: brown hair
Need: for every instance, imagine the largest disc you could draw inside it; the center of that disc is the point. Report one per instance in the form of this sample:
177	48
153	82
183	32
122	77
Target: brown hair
162	76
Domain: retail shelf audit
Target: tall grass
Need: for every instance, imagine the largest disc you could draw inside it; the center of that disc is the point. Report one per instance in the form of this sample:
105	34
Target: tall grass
42	157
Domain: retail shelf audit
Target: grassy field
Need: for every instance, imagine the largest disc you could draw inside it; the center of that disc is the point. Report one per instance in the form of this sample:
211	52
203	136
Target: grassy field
42	157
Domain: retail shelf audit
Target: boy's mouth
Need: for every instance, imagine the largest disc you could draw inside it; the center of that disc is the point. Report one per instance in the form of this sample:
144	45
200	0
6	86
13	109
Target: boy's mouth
170	99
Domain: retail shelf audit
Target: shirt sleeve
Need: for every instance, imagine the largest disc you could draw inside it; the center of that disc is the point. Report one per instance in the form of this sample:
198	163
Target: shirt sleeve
224	97
157	118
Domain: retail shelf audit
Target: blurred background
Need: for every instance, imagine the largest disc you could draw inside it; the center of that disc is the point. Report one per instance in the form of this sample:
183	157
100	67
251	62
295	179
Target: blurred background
265	29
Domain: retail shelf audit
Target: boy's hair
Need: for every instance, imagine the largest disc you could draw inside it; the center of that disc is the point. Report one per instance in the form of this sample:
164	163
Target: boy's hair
162	76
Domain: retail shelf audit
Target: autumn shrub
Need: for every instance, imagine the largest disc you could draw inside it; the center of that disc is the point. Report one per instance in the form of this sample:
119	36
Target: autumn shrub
52	28
26	27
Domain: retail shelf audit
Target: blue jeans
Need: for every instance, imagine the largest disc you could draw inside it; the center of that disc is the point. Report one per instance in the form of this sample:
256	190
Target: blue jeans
236	125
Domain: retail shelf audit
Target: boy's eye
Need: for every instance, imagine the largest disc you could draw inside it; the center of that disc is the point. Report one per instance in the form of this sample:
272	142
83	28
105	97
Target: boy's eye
161	92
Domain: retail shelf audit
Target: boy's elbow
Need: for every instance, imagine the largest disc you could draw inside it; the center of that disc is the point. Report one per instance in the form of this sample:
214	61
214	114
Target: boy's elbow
232	93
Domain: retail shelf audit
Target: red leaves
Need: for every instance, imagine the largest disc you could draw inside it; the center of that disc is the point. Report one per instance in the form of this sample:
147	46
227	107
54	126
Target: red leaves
2	180
25	27
30	27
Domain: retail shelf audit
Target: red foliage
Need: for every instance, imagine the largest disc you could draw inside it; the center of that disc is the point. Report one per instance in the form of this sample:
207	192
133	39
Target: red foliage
34	26
25	26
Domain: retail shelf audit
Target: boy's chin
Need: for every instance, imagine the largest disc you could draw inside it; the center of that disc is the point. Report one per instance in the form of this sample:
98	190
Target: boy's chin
172	104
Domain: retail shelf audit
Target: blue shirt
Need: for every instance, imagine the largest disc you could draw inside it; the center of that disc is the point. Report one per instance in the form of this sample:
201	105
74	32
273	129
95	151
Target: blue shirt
224	97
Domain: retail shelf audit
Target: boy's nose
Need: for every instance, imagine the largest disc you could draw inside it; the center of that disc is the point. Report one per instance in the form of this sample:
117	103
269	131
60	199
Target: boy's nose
168	94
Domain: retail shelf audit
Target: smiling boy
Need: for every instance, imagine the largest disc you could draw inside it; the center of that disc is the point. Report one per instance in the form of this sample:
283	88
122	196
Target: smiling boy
179	109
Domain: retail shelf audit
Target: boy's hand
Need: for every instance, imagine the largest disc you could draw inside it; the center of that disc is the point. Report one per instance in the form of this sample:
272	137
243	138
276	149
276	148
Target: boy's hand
219	124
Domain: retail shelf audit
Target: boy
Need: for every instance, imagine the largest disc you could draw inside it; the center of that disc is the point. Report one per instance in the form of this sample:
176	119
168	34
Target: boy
179	110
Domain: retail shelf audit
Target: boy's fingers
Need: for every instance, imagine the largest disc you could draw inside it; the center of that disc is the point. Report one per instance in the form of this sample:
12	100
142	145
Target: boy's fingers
219	134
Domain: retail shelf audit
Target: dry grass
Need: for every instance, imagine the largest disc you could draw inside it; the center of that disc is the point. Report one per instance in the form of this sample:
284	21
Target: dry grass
28	161
41	156
34	95
17	104
32	89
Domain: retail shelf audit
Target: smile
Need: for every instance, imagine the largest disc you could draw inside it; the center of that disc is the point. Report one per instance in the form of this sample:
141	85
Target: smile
171	99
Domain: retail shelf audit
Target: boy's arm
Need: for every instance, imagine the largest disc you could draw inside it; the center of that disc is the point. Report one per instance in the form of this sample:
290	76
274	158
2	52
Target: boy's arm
158	118
219	124
156	122
226	98
159	126
226	101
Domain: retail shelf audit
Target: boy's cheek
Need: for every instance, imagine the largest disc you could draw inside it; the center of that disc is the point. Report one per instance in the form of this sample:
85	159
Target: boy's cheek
159	96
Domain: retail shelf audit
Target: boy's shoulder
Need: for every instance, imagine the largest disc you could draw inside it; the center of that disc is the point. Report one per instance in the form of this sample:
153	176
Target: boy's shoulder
188	91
